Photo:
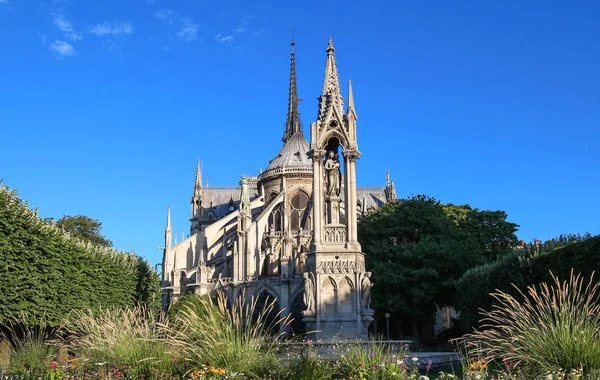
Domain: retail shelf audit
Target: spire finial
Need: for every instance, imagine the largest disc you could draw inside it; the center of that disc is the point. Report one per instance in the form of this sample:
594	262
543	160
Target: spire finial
292	124
332	94
351	110
330	48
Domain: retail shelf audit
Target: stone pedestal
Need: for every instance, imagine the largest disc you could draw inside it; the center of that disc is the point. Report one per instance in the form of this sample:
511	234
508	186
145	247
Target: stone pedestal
332	206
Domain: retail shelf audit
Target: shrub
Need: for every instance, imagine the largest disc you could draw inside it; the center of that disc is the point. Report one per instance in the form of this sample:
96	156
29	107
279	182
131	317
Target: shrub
556	329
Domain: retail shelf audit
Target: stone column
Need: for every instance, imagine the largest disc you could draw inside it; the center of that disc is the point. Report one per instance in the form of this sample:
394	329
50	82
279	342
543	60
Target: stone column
350	162
317	156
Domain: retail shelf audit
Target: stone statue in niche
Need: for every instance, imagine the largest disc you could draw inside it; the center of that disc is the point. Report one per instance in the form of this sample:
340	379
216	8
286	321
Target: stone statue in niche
366	291
309	294
333	174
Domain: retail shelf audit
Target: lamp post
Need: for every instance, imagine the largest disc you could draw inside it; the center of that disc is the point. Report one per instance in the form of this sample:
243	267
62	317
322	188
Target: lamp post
387	324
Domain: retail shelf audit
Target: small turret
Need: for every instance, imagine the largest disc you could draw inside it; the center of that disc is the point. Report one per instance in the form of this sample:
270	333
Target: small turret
390	188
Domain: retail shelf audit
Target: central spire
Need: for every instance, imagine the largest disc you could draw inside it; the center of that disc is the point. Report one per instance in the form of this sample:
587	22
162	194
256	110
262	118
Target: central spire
292	124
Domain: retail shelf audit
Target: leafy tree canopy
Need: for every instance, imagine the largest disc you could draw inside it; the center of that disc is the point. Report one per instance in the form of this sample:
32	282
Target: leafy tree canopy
418	248
85	228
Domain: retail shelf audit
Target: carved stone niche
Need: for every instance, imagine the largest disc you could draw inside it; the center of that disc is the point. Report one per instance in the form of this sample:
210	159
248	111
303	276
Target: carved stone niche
335	234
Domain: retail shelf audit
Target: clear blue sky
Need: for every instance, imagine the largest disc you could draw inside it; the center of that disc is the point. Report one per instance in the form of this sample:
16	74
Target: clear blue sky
106	105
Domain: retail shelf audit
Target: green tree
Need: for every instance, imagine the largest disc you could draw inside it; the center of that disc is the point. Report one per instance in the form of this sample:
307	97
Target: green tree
418	248
84	227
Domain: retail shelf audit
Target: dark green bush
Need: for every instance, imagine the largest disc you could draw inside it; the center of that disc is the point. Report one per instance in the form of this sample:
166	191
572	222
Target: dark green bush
474	287
582	256
525	268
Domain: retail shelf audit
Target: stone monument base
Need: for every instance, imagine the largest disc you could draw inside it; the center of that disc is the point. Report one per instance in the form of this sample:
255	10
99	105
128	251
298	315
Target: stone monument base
339	329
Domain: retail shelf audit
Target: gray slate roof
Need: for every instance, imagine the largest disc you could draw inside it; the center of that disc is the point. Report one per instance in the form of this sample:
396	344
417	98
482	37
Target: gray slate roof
293	153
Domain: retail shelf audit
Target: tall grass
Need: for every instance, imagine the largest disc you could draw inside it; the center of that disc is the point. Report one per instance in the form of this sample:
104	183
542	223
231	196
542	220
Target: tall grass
123	338
30	352
555	329
241	338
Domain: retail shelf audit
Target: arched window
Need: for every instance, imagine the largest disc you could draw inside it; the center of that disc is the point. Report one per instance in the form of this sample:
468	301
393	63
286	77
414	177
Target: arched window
275	222
329	296
345	296
299	212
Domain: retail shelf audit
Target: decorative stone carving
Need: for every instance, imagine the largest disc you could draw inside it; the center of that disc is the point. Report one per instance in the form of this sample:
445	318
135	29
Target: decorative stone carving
333	174
309	294
335	234
337	266
365	288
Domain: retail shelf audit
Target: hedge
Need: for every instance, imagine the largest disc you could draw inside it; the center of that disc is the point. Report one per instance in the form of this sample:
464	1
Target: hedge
522	269
475	285
583	257
46	273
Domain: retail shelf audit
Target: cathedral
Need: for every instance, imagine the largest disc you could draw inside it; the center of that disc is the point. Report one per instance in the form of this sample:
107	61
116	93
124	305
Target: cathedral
290	233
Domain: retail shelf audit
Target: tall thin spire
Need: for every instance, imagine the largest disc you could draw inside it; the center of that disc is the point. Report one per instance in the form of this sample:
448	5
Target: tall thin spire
198	182
196	200
351	110
168	228
293	124
168	233
332	93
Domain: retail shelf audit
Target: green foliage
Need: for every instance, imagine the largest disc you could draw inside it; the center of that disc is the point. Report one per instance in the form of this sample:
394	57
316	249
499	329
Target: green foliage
378	361
417	249
47	273
475	285
85	228
197	304
553	329
311	367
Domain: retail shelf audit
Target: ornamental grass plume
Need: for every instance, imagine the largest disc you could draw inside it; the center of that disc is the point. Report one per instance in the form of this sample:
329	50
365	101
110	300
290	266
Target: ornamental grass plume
129	338
30	347
241	338
555	329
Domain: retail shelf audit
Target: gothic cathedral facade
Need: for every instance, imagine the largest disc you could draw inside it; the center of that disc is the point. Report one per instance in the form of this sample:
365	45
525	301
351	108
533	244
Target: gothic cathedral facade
290	233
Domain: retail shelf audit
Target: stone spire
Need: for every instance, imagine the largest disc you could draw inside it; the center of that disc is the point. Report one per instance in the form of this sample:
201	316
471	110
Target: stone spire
332	94
168	231
351	110
196	200
293	124
390	188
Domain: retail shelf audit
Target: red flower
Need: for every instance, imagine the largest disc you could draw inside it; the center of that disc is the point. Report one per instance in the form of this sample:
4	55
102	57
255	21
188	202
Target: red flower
207	364
53	365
